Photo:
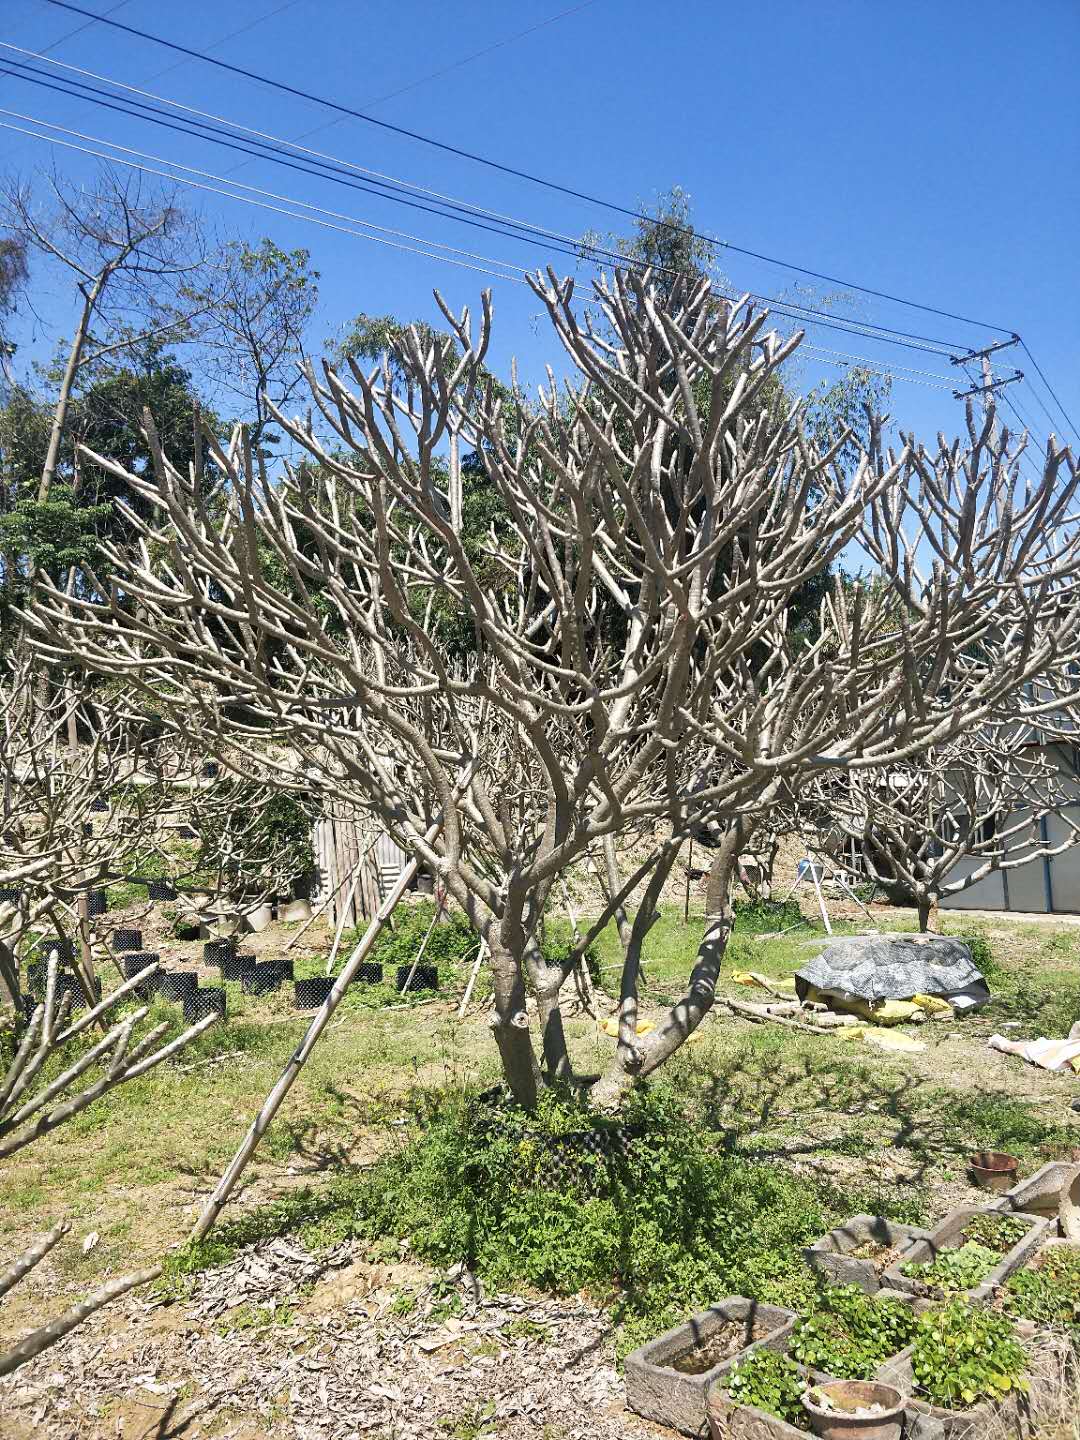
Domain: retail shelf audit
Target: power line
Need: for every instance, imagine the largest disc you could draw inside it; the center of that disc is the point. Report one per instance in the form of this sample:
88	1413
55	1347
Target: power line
245	200
520	174
1042	376
447	207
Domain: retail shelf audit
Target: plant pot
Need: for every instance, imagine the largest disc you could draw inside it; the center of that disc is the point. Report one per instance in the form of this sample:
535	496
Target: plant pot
132	964
310	994
259	917
8	895
1042	1193
99	806
848	1416
97	903
832	1256
161	890
186	933
235	967
993	1170
660	1391
220	925
209	1000
370	973
177	985
127	940
261	979
425	977
67	984
215	951
65	950
290	911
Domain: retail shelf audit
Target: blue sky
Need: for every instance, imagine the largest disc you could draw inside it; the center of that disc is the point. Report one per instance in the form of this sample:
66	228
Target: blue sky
927	149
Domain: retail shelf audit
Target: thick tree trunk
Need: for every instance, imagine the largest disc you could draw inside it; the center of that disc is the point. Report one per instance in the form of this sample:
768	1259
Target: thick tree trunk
928	909
682	1020
510	1026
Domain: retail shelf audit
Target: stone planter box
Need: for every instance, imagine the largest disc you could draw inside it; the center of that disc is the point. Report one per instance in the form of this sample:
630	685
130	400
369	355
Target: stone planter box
659	1392
1011	1416
1040	1194
947	1236
831	1256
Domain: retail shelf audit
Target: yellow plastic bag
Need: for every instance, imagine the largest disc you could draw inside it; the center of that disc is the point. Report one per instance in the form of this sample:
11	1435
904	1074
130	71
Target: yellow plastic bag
765	982
611	1027
933	1005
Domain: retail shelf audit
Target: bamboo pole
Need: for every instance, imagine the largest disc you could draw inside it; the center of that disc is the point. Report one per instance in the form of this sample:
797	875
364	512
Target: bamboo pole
473	973
423	943
346	909
272	1104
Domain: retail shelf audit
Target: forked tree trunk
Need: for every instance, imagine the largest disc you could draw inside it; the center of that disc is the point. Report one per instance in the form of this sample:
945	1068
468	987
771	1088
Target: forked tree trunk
687	1014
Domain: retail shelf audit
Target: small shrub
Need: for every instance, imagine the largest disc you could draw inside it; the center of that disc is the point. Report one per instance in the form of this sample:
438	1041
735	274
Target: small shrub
852	1333
771	1382
963	1355
754	916
981	954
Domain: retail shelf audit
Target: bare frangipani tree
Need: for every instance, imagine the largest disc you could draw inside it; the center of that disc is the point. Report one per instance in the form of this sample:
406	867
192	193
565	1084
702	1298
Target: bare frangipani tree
1000	796
49	1081
614	652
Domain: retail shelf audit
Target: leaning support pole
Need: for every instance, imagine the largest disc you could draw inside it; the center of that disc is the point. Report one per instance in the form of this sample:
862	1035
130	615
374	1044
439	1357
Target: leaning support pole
272	1103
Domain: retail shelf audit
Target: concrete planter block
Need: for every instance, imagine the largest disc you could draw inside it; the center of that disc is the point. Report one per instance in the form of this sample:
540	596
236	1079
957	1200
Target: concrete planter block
221	926
728	1421
1040	1194
831	1255
947	1236
655	1389
1010	1416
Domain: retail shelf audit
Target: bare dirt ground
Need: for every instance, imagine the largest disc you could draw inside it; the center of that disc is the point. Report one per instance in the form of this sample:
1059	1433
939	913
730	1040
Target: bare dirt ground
330	1361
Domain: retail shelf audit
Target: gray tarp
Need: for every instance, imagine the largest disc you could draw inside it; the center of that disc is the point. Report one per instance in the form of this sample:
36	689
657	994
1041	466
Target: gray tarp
895	967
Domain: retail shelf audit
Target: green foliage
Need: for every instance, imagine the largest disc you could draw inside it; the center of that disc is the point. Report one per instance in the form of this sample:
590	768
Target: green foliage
771	1382
453	941
660	1234
55	535
1048	1292
997	1232
852	1333
962	1355
755	916
981	954
954	1270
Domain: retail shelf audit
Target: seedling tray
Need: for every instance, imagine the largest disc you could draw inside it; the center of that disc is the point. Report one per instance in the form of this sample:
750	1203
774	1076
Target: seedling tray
127	940
370	973
132	964
97	902
215	951
161	890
